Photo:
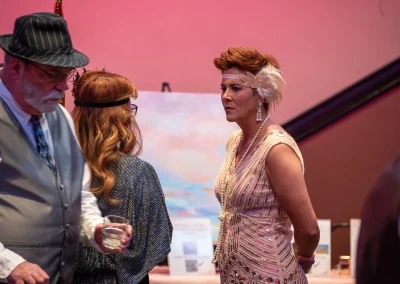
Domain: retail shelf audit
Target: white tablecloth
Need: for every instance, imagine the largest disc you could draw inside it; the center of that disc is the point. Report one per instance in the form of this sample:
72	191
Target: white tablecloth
161	276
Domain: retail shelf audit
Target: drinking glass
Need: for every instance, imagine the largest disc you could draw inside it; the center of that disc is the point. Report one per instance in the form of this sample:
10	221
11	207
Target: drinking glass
113	230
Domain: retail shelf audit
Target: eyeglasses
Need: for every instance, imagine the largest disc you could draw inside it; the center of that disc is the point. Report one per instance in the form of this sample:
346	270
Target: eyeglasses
134	109
56	78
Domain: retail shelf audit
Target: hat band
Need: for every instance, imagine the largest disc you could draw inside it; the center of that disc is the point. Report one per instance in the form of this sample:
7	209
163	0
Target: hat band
101	105
26	51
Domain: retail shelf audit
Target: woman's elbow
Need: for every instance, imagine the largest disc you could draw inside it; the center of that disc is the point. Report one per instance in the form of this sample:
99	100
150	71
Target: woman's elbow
310	233
313	233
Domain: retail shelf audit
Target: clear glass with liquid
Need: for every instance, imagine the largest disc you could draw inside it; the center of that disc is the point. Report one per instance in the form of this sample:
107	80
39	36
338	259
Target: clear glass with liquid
114	229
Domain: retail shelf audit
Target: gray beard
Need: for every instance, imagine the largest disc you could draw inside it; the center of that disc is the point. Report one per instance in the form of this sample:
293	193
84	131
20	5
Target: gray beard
34	97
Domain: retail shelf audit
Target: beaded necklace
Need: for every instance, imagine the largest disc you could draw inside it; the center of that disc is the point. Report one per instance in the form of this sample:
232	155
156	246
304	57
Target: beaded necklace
224	187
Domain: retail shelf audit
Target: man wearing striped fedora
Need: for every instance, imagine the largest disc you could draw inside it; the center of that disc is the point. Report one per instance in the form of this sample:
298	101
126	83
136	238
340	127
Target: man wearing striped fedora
45	202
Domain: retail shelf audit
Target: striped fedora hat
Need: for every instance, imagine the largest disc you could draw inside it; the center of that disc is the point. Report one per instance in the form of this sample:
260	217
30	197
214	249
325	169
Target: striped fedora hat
43	38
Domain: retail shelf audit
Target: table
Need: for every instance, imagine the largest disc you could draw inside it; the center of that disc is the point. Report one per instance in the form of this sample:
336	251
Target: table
160	275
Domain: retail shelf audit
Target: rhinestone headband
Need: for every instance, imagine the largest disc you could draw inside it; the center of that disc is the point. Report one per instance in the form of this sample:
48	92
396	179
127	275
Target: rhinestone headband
267	82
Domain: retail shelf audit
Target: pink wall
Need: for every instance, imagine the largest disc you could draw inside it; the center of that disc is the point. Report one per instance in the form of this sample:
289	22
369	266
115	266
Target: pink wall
323	46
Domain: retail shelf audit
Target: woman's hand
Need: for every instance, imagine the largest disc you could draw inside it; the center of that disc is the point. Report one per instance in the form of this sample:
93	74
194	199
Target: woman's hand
125	240
305	262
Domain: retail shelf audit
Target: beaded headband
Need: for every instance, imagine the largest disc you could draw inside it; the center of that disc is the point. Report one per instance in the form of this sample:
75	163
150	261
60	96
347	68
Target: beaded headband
267	82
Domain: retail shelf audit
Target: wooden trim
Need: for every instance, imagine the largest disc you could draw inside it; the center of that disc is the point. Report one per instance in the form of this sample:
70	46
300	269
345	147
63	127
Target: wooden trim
346	101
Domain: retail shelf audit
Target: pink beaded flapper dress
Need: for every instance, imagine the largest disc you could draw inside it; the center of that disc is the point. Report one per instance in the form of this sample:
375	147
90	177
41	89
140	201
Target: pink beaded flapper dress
254	244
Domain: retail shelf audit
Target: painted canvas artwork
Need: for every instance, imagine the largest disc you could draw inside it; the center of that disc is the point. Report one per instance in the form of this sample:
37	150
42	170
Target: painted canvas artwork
184	138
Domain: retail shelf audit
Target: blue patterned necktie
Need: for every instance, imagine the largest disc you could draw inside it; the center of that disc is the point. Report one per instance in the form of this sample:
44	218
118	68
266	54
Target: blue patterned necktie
41	144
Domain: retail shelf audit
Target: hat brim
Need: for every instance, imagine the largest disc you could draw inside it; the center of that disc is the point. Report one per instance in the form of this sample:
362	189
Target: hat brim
71	60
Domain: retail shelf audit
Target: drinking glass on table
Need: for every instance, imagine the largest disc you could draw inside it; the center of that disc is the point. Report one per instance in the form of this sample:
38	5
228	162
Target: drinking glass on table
114	229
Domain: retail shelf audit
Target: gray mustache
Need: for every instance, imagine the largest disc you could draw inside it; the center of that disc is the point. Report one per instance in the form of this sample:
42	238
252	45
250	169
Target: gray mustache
58	96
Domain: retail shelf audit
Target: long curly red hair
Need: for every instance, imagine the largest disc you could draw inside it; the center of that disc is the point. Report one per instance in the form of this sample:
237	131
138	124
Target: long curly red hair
105	133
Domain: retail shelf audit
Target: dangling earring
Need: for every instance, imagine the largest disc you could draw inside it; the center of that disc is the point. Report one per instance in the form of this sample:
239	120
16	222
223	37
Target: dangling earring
259	105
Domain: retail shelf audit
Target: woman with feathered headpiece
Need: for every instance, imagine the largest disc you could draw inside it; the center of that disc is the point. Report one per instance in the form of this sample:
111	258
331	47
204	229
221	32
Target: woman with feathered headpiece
260	186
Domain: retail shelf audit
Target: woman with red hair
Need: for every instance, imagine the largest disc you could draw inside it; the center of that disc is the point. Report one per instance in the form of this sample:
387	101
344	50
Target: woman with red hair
123	184
260	186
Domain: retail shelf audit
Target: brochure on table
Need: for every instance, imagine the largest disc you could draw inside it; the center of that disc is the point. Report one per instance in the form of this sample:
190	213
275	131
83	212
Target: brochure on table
322	265
354	232
191	247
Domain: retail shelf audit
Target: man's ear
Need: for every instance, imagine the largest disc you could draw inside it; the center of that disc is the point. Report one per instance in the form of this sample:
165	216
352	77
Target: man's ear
16	68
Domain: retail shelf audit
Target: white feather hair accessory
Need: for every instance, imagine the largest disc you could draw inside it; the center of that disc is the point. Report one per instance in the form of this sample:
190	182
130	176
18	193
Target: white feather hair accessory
268	83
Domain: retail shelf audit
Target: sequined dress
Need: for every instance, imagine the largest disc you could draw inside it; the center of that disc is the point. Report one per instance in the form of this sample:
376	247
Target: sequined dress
256	236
